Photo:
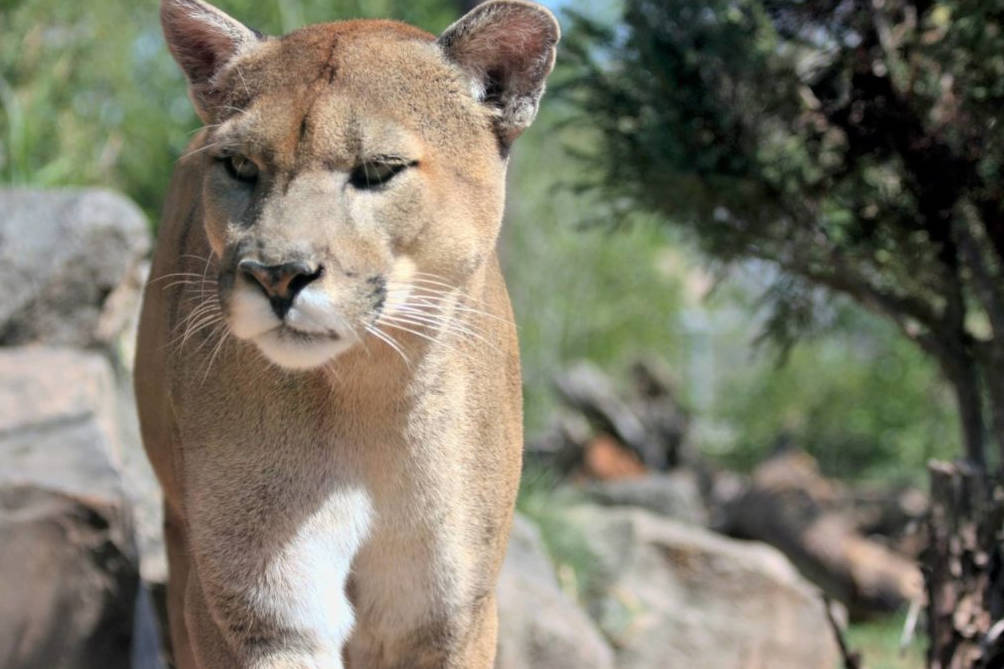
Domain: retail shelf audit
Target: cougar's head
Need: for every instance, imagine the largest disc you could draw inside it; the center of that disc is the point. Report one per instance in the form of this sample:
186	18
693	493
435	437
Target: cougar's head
348	164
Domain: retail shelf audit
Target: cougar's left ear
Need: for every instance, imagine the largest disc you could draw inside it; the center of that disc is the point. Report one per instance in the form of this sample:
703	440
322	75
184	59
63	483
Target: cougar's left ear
508	48
203	40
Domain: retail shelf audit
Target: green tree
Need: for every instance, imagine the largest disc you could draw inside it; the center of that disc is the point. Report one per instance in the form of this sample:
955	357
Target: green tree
860	399
854	145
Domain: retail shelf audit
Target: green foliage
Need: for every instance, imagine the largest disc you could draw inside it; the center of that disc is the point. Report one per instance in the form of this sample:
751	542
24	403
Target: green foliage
858	397
90	96
77	92
546	505
580	292
753	122
855	146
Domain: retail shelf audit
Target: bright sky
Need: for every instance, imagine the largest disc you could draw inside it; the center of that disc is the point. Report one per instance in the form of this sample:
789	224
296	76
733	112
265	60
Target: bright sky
593	8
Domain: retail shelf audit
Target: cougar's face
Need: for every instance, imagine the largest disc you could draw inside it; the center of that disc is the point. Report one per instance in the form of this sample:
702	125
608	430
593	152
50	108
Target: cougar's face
351	177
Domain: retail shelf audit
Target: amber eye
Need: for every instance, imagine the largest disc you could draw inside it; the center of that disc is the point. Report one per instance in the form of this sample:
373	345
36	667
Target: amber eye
377	173
241	168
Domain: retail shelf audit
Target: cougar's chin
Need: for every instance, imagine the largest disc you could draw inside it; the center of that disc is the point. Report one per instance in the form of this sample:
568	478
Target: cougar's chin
295	349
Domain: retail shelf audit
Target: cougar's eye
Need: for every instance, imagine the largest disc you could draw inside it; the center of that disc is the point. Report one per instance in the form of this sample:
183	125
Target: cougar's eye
241	168
376	173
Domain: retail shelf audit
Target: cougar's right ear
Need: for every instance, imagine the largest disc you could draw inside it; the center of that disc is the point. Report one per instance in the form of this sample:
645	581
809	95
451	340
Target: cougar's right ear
203	39
507	47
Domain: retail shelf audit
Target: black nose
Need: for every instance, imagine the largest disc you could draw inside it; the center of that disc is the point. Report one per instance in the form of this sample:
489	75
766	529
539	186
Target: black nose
280	283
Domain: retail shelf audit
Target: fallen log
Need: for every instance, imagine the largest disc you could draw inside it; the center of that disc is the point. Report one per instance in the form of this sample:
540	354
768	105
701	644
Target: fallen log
787	504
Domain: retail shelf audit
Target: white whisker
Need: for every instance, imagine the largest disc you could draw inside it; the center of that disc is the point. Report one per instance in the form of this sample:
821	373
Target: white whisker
387	339
209	320
436	320
189	282
445	326
162	277
219	347
414	332
463	308
204	309
211	145
441	300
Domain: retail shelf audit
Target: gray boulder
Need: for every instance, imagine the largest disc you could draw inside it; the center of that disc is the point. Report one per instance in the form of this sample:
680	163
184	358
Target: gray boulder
674	495
57	421
70	577
141	487
540	627
69	262
668	594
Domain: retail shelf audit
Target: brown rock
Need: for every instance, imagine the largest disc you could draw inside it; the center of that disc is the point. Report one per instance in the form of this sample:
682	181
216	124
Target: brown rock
70	575
605	459
669	594
69	581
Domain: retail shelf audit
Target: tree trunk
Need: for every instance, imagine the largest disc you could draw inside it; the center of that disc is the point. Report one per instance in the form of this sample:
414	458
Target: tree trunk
961	373
995	388
964	569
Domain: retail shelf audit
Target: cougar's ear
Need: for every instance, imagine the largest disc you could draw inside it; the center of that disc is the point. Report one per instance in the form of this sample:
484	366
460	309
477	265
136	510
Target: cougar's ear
203	39
508	48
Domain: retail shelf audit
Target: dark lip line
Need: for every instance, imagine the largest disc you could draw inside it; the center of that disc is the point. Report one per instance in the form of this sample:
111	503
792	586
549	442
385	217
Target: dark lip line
288	330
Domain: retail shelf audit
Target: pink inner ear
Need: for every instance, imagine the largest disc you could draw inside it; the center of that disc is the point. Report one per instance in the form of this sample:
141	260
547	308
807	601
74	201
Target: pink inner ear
514	46
199	42
197	54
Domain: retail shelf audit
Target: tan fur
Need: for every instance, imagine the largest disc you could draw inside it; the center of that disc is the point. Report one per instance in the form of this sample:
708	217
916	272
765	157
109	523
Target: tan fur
407	466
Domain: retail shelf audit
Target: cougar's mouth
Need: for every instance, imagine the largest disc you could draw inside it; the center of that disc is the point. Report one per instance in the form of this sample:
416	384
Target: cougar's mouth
288	332
291	348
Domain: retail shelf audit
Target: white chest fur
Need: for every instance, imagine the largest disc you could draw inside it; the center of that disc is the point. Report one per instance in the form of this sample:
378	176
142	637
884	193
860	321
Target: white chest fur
303	586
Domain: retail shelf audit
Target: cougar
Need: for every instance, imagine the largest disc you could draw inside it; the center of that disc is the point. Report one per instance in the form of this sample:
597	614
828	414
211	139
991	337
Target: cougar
327	370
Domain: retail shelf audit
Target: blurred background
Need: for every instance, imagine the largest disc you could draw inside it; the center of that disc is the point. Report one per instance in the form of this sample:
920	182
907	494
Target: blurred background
754	249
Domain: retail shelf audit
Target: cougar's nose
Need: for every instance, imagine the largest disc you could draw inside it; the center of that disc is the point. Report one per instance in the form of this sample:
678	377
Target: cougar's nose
280	283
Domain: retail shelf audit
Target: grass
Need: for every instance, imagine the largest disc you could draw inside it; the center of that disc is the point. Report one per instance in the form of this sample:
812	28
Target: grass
878	643
544	505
